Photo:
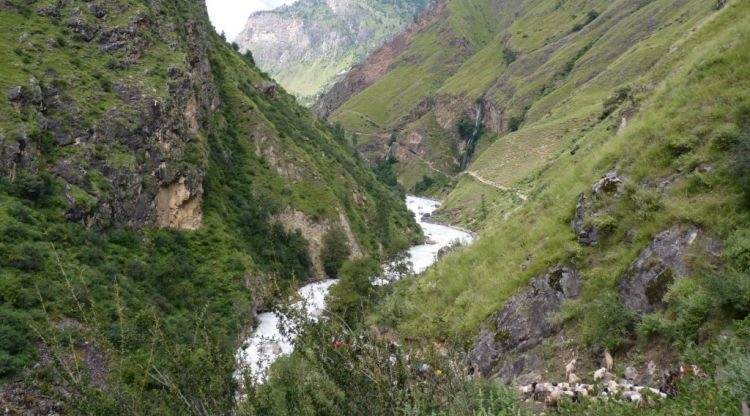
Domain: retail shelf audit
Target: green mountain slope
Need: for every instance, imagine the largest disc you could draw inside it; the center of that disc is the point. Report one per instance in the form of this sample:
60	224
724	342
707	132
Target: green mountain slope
156	189
609	191
497	59
308	45
606	203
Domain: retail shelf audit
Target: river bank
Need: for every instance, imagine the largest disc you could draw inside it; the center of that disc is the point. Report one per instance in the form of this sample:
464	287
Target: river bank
267	342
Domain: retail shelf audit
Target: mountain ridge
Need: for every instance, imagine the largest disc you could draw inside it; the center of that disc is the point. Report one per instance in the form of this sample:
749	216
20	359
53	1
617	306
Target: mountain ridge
306	46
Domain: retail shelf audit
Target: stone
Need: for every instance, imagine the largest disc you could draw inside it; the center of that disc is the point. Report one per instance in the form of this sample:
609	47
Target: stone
97	10
15	94
660	264
609	184
48	11
586	232
630	374
269	88
77	24
524	322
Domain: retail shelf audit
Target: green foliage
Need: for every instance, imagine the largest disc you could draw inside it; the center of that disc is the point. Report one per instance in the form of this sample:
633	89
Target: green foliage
615	100
590	17
15	342
354	293
368	375
606	322
465	126
509	56
33	187
335	250
731	286
423	185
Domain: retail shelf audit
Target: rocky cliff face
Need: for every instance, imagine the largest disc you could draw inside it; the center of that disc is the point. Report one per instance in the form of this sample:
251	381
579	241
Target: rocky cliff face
139	150
122	164
309	45
128	141
374	67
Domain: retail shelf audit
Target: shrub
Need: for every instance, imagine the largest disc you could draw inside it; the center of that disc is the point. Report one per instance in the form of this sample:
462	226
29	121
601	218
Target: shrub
515	122
354	292
737	250
33	187
606	322
654	326
604	223
509	56
690	305
25	257
615	100
335	250
725	136
731	291
423	185
15	348
644	201
465	126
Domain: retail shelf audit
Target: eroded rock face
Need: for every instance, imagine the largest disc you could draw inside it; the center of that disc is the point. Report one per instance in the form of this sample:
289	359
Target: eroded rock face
314	232
177	206
523	323
583	221
375	66
322	37
665	260
126	166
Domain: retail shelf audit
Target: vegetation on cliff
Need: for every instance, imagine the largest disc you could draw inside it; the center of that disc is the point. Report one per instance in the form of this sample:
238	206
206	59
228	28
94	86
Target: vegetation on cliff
150	179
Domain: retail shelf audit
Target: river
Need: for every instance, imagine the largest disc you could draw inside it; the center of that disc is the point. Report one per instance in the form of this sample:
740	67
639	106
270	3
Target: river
267	343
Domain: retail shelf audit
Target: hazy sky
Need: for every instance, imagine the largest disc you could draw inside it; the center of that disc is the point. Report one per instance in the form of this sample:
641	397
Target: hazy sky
230	16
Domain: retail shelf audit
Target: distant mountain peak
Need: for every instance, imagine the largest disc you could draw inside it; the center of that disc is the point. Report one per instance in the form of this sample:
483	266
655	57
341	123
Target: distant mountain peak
310	44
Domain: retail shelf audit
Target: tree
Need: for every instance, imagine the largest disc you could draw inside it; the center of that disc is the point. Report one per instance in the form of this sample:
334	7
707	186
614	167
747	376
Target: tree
335	250
354	292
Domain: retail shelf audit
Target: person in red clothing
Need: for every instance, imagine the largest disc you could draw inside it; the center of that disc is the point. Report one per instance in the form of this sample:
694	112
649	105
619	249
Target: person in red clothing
338	343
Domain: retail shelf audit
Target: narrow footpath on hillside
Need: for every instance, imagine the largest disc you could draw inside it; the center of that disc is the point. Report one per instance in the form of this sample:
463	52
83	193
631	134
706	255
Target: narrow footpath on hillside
488	182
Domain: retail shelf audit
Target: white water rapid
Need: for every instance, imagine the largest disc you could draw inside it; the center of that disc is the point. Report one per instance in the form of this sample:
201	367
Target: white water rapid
267	343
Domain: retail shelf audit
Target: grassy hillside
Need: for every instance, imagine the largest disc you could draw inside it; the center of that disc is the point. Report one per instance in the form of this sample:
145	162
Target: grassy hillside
148	175
551	76
682	158
677	166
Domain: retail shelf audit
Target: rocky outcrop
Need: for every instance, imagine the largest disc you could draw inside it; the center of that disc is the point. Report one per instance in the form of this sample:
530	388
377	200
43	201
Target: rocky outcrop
524	322
138	162
374	67
314	232
585	219
665	260
178	207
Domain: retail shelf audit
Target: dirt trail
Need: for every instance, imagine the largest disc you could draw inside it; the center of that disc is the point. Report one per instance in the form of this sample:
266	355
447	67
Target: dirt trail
488	182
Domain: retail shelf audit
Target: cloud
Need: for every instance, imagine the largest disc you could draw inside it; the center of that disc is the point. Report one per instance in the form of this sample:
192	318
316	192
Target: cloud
229	16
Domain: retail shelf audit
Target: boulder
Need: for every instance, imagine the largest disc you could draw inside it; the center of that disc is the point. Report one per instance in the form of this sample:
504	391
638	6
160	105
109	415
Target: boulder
269	88
609	184
15	94
659	265
523	323
586	232
78	24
